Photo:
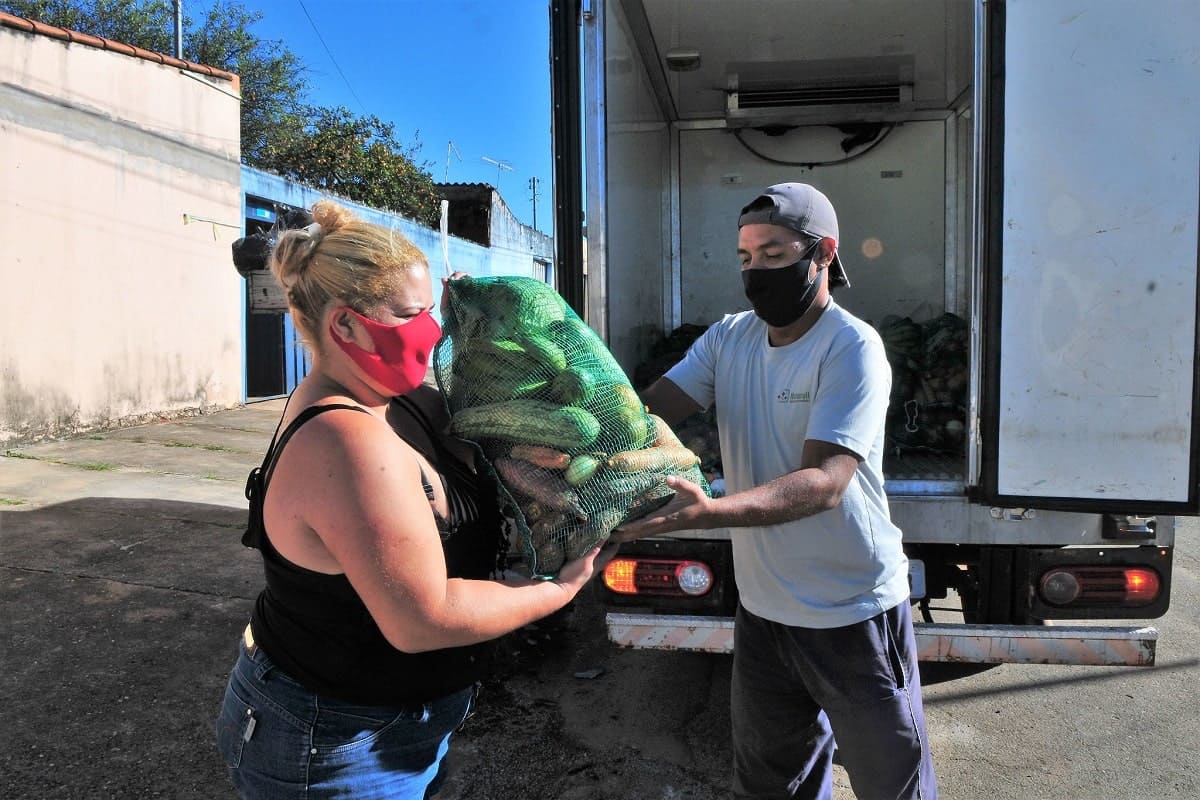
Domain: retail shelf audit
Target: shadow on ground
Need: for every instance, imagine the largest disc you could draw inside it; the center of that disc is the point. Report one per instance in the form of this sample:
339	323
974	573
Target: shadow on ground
121	619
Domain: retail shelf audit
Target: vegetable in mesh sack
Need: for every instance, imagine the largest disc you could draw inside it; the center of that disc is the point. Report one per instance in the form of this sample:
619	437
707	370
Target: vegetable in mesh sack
554	415
903	340
930	371
946	370
936	427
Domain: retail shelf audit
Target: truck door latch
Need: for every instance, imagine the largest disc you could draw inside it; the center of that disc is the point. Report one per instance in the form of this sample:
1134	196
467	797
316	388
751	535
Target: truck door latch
1128	526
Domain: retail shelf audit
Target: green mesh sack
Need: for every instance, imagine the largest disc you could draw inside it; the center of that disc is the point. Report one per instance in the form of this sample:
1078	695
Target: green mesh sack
554	415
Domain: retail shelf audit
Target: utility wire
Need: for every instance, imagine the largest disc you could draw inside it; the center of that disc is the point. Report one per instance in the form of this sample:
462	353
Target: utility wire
331	58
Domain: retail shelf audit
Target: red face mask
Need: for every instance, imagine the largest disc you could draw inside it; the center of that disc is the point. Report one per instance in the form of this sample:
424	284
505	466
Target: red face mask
401	355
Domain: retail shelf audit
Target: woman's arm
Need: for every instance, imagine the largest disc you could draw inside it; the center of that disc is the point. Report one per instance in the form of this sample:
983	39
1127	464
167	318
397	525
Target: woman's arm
362	497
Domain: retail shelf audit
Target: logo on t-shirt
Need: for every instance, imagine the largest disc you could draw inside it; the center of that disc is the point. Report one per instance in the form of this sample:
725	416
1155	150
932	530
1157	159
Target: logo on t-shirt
788	396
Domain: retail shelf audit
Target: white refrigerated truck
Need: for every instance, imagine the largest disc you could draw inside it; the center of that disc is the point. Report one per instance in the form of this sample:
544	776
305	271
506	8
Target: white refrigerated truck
1031	167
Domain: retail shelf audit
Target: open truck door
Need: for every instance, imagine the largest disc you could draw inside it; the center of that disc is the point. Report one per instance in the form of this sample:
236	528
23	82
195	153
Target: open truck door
1090	397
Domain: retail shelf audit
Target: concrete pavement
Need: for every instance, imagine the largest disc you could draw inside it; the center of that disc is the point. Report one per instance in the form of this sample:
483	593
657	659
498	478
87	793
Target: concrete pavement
124	585
124	588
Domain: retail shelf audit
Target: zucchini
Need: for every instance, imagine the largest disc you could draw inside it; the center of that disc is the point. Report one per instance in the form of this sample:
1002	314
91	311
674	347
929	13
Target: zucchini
573	386
528	422
581	468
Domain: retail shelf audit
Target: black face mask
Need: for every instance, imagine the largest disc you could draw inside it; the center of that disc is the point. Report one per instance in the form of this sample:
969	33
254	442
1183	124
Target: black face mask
781	296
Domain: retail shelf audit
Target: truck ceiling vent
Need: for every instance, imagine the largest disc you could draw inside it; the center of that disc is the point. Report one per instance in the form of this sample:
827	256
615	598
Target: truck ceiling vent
800	90
821	96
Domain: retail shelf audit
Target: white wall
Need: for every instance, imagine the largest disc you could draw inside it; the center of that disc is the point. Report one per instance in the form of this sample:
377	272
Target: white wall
114	307
890	205
631	277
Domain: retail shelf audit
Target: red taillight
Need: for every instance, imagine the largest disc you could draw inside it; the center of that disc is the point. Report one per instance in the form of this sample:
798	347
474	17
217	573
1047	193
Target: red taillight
1141	586
1100	586
658	576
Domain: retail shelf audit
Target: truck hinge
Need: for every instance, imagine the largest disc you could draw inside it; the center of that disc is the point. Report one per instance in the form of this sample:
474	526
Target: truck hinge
1013	514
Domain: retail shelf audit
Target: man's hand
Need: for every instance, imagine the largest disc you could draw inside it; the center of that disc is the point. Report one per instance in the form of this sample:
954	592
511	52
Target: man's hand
690	508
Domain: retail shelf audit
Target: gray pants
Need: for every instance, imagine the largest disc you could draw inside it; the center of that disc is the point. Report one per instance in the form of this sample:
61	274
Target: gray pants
796	690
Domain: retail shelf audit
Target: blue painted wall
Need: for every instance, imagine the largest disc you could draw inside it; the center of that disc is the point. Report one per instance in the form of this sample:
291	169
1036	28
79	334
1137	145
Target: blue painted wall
464	256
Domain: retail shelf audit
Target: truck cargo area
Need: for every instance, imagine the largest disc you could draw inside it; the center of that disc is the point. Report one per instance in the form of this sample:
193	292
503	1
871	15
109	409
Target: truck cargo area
1034	283
707	103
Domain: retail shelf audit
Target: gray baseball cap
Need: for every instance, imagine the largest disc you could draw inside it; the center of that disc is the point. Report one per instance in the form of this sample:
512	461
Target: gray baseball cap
803	209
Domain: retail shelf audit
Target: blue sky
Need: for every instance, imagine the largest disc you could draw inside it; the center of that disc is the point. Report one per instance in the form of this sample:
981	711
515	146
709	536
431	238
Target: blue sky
472	72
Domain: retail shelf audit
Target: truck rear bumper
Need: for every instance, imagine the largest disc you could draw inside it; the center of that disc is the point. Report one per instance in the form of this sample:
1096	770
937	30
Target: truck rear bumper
978	644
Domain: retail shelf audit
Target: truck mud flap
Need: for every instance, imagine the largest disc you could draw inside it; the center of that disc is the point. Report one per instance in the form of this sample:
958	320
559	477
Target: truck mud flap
976	644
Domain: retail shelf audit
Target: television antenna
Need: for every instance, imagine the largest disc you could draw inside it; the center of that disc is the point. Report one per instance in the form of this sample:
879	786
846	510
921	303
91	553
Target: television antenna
501	166
450	148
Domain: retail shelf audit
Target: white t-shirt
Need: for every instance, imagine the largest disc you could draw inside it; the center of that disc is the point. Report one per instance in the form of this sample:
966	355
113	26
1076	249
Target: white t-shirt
837	567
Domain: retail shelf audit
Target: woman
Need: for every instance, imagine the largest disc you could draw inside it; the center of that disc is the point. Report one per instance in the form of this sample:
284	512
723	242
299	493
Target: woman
377	541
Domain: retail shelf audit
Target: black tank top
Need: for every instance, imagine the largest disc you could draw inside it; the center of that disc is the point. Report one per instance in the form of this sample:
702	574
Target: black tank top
315	627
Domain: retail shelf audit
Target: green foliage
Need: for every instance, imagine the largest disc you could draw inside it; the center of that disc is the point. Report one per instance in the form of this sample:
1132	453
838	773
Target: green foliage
272	77
358	158
145	23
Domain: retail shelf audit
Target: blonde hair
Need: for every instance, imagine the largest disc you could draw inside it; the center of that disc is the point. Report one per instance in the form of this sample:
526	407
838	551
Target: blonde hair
340	258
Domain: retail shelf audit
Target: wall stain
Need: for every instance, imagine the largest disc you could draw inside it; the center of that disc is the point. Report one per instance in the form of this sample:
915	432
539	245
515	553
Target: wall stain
35	414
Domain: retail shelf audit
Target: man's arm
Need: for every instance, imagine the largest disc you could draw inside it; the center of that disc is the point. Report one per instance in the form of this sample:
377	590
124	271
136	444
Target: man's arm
825	472
669	402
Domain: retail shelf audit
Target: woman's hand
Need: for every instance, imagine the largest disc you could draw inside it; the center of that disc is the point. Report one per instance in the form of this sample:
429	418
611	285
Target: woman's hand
454	276
575	574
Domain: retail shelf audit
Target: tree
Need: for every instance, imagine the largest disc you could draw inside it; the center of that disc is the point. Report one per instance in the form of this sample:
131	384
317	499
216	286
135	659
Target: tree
145	23
358	158
272	77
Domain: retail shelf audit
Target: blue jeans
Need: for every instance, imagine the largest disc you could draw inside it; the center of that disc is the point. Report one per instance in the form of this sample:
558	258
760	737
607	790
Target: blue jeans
796	690
281	740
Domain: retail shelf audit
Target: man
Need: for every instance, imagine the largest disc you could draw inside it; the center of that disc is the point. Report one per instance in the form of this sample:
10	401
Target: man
823	639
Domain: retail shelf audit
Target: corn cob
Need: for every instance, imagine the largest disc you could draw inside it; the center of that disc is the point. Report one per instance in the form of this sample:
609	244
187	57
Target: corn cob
528	422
